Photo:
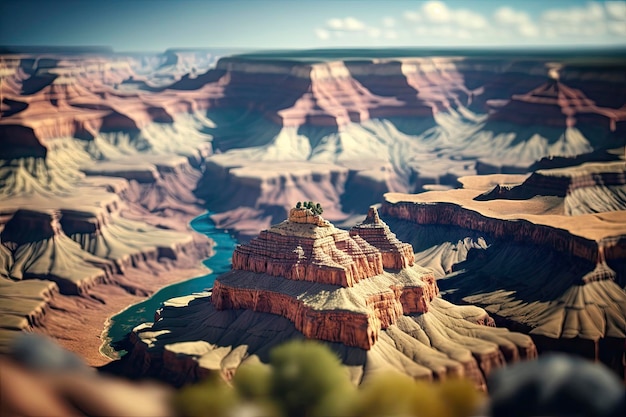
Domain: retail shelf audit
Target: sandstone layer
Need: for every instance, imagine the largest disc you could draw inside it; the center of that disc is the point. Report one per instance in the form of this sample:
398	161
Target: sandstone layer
252	133
527	250
96	192
306	278
379	121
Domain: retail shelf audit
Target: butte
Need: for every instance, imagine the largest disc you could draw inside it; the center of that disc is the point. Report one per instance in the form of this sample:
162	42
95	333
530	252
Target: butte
358	291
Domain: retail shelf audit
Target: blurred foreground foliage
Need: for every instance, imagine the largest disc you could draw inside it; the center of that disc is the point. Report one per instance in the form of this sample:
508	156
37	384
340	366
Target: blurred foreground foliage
305	379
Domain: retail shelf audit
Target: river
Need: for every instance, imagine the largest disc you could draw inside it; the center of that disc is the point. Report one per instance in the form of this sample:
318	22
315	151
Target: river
122	323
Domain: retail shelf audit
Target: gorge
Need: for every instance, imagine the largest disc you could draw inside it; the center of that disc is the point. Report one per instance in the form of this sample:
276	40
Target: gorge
484	163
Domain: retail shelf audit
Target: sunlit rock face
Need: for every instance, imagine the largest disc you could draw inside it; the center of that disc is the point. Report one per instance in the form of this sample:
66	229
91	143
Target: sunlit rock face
358	290
111	151
96	192
544	253
307	248
340	127
394	124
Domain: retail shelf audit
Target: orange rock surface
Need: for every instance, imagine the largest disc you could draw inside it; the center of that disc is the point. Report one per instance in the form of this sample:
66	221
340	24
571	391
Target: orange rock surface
333	285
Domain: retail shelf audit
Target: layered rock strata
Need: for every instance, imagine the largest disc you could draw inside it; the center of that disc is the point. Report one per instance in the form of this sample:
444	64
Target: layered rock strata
396	254
388	316
347	295
590	239
556	104
24	305
591	187
520	253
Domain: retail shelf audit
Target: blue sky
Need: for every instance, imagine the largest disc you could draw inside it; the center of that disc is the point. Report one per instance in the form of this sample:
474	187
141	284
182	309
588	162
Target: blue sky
155	25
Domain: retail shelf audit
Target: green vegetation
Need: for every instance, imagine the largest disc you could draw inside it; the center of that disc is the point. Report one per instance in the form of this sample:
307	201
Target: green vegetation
306	379
316	208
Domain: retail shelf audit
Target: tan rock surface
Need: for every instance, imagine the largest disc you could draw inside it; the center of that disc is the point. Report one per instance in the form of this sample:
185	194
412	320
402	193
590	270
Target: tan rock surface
439	344
387	319
544	269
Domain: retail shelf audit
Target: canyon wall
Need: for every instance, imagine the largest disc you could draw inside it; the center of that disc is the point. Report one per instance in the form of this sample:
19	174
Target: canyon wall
96	191
251	134
517	251
390	318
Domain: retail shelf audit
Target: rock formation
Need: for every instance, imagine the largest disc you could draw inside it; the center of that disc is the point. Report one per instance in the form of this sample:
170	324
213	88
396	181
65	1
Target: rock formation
544	253
250	134
83	207
396	254
359	290
308	248
556	104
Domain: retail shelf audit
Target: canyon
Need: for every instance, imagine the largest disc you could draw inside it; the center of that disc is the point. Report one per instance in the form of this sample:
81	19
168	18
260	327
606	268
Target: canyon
503	172
513	245
359	290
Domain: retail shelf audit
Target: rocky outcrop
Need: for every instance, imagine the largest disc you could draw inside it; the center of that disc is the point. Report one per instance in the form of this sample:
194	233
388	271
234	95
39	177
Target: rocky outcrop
556	104
445	213
44	251
307	252
395	254
438	344
331	284
455	215
306	216
250	195
544	271
85	239
321	316
561	182
592	187
24	305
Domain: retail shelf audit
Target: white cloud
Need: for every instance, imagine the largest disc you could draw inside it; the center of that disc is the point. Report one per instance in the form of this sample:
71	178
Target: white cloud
528	30
435	22
588	21
592	12
412	16
336	24
516	20
391	34
469	19
374	32
616	10
436	12
322	34
349	24
389	22
617	28
349	28
508	16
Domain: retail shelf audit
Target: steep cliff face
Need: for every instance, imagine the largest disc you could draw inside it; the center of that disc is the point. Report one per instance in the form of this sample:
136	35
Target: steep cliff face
521	254
395	254
557	238
302	249
79	248
390	320
337	129
46	252
76	210
591	187
25	304
249	195
556	104
332	285
384	119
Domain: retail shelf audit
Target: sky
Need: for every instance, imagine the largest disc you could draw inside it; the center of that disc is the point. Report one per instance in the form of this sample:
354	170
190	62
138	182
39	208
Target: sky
155	25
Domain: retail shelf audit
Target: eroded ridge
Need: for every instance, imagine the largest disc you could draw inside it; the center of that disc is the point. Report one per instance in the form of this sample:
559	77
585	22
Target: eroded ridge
332	284
359	290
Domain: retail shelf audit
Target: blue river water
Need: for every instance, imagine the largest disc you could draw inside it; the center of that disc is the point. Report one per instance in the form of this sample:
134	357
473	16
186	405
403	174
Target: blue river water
122	323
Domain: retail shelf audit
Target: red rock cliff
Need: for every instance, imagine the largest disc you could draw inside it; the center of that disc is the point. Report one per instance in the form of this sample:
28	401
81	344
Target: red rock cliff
330	283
